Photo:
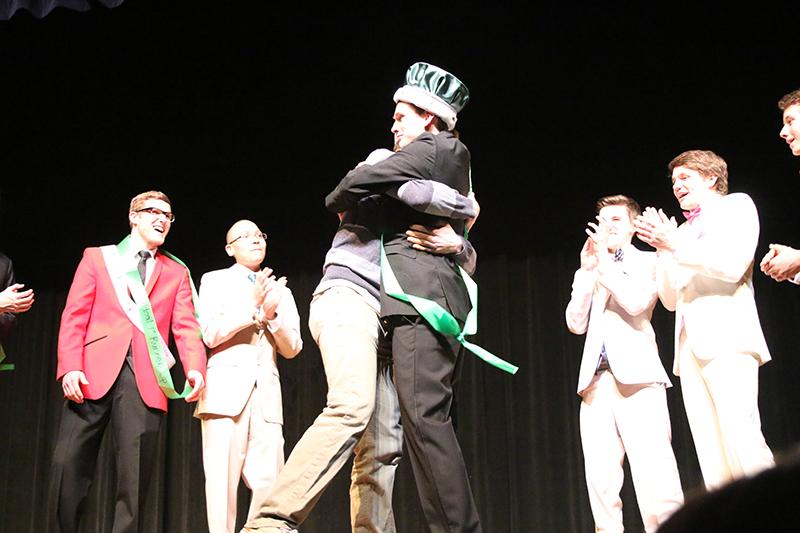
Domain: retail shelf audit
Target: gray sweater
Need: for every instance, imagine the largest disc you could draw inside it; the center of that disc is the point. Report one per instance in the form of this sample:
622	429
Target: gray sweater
354	256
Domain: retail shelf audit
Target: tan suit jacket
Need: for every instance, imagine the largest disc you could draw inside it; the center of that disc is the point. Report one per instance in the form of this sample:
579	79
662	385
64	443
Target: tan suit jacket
613	304
708	281
243	354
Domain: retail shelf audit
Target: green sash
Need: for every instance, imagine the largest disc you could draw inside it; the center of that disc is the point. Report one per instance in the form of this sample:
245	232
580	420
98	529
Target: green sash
4	366
155	344
439	318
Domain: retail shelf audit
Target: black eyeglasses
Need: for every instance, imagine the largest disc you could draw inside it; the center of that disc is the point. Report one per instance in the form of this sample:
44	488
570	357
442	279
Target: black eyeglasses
157	213
259	235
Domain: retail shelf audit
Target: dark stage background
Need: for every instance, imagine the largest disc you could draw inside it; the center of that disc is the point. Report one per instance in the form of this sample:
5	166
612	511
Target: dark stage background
252	110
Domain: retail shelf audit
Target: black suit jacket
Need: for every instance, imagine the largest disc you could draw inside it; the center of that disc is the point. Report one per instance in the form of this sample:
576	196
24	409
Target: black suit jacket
441	158
7	320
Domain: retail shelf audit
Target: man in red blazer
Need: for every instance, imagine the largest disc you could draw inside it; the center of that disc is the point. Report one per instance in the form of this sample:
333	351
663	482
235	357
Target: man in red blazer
113	363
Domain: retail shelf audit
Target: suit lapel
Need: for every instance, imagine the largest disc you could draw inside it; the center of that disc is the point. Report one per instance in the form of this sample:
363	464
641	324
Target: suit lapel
599	299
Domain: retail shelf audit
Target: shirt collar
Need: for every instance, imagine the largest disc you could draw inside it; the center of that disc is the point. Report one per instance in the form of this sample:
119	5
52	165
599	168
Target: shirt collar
137	245
236	267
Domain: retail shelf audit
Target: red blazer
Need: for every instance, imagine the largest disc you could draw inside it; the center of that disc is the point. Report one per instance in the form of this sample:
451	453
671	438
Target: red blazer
95	332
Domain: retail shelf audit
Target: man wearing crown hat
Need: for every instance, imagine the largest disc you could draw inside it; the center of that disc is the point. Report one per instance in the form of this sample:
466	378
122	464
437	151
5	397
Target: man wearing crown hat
426	364
344	321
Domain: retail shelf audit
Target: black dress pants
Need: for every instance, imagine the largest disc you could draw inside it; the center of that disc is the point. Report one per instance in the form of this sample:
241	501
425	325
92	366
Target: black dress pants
134	430
426	368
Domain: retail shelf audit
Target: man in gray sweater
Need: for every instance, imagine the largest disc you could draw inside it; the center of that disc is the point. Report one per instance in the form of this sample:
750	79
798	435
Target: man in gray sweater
362	414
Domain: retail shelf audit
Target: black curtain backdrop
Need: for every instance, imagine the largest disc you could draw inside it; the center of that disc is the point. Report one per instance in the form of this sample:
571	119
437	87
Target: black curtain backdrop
41	8
256	111
519	434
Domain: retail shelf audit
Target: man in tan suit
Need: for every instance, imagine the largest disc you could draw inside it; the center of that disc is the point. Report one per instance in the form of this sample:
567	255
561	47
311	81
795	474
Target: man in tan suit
247	317
622	382
705	271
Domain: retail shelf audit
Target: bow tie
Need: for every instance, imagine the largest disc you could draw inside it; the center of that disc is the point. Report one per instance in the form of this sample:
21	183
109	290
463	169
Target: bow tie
691	215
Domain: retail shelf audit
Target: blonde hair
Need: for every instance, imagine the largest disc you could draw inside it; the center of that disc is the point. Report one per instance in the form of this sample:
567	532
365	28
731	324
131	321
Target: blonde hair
138	201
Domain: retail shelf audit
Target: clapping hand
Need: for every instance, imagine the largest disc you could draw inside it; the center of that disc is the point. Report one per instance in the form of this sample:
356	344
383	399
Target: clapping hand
15	300
656	229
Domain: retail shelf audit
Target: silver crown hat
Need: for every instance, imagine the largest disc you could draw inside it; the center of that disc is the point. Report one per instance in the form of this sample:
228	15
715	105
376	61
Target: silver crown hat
435	90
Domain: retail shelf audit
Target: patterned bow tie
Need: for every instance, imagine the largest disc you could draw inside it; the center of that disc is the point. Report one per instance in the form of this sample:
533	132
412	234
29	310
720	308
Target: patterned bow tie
251	277
619	255
691	215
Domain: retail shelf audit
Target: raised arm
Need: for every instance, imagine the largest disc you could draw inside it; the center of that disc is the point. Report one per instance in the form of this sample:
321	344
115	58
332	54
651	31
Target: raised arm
583	284
8	296
667	290
635	291
435	198
285	326
411	163
726	249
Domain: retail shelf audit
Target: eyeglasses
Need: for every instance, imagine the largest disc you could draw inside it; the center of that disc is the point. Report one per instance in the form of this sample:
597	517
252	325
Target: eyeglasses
157	213
259	235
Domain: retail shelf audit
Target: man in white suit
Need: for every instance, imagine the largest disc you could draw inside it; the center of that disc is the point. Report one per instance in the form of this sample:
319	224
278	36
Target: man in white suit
622	382
705	273
782	262
247	318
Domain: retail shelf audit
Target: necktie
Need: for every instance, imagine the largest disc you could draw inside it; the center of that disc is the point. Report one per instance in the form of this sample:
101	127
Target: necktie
691	215
619	255
602	363
144	255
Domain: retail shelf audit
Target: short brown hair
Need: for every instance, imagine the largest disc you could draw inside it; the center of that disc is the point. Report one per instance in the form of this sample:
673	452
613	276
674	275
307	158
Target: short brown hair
789	100
438	123
138	201
707	163
620	199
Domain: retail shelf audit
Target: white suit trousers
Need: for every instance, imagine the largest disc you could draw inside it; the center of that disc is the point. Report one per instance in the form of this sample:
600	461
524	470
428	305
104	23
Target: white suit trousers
245	446
721	400
616	420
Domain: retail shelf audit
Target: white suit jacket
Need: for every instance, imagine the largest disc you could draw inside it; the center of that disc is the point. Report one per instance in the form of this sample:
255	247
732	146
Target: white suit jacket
708	281
243	354
613	304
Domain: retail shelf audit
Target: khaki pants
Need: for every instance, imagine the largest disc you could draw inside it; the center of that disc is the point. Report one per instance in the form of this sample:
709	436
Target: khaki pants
346	329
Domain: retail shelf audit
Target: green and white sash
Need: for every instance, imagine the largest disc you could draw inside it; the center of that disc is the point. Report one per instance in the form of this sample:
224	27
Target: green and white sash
439	318
140	312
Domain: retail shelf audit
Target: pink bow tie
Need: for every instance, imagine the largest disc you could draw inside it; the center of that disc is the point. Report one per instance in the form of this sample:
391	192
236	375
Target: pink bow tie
691	215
